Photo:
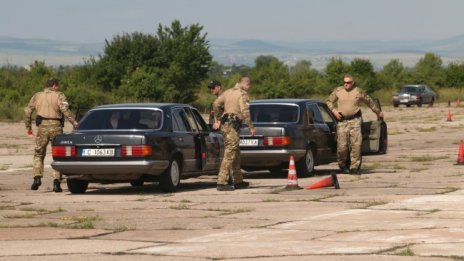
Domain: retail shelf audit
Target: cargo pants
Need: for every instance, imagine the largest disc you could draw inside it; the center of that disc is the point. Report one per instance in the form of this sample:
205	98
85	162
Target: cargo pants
231	159
46	132
349	137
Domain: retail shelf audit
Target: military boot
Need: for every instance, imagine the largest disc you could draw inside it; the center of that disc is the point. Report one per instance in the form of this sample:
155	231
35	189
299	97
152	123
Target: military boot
57	186
37	182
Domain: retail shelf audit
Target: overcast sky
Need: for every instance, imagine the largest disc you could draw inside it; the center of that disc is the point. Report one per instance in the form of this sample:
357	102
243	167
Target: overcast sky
283	20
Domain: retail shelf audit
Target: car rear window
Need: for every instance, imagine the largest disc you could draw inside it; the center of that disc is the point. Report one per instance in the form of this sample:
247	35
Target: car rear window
273	113
410	89
121	119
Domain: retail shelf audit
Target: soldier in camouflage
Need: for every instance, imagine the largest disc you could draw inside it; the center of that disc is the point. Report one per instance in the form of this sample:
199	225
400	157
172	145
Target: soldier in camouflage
50	106
216	89
232	109
348	113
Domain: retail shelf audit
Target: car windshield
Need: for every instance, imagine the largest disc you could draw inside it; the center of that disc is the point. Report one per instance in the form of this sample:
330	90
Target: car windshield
410	89
108	119
273	113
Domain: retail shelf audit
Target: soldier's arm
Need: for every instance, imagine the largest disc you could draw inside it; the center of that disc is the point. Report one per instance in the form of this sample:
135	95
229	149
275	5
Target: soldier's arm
331	100
369	102
64	108
28	112
245	109
217	107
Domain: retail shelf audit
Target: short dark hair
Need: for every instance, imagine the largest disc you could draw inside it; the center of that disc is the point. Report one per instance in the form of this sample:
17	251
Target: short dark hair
213	84
52	81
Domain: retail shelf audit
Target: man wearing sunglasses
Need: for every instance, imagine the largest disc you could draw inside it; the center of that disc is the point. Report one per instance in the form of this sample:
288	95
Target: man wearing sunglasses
348	113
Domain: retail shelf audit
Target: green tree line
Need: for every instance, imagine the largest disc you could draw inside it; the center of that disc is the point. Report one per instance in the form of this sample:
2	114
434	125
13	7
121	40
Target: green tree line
174	65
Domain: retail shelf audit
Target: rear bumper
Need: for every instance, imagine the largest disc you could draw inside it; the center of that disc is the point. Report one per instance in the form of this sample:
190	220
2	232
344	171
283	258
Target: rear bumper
268	158
151	167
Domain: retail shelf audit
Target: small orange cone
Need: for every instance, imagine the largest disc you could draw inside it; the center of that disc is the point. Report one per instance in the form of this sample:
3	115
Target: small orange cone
449	116
292	182
327	182
461	153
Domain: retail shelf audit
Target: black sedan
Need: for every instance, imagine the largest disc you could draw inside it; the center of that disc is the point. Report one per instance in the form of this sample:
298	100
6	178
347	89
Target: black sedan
304	128
138	142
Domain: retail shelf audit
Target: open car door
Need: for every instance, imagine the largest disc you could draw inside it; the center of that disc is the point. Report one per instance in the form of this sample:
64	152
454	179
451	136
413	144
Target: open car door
375	135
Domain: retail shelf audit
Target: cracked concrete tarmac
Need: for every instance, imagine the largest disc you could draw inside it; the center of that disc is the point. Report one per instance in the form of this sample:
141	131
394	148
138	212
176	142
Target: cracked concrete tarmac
406	205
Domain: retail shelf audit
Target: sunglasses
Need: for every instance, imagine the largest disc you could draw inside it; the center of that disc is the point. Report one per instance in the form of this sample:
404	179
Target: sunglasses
347	82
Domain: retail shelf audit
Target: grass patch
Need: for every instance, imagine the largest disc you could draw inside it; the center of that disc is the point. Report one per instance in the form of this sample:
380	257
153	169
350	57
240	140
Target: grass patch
236	211
271	200
83	222
406	252
180	206
374	203
430	129
427	158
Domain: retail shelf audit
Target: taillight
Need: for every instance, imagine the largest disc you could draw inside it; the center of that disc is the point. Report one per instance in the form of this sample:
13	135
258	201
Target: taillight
136	151
276	141
63	151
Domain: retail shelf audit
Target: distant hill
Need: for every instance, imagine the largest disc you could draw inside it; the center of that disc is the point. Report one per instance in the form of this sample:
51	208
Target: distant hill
21	52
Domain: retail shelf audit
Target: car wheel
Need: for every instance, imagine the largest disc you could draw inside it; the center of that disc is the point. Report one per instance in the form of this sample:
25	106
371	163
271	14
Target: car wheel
432	101
395	105
77	186
305	166
419	103
137	183
170	179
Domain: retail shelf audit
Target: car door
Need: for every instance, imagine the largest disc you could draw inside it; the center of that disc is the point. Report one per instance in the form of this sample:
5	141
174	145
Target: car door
208	144
374	135
321	134
184	138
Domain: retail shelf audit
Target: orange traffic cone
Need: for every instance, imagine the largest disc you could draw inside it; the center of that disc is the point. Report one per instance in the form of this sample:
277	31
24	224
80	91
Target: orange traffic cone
327	182
461	153
449	116
292	182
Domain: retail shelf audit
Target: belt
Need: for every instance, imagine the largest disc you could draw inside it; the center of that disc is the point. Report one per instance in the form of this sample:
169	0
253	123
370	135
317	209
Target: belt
354	116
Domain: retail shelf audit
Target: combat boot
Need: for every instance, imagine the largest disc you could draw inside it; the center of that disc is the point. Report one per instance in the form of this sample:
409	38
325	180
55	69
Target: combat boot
242	185
57	186
226	187
37	182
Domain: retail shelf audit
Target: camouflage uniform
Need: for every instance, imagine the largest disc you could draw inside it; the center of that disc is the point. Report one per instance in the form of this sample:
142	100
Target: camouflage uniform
51	105
232	104
349	128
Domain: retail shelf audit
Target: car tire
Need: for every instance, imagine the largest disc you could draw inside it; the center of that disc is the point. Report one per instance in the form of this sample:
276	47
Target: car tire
305	166
432	101
395	105
170	179
77	186
419	103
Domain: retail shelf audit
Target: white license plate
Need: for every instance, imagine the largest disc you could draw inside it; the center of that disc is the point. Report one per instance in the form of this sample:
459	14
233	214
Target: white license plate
98	152
404	100
248	142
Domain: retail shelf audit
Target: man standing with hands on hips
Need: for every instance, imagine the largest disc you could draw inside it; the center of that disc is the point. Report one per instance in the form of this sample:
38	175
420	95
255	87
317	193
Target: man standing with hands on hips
232	109
348	113
50	106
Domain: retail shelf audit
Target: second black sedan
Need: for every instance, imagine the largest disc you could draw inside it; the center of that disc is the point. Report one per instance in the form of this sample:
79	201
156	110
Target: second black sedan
135	143
304	128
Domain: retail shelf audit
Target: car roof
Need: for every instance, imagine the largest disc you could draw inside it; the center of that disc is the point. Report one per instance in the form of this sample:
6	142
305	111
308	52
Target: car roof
284	101
160	105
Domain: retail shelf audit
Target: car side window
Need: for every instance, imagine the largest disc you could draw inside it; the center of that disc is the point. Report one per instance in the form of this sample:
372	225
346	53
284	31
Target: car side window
191	120
314	112
326	116
200	121
180	122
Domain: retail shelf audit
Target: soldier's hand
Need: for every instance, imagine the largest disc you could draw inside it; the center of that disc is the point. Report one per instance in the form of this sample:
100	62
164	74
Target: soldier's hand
337	114
30	133
380	115
252	131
